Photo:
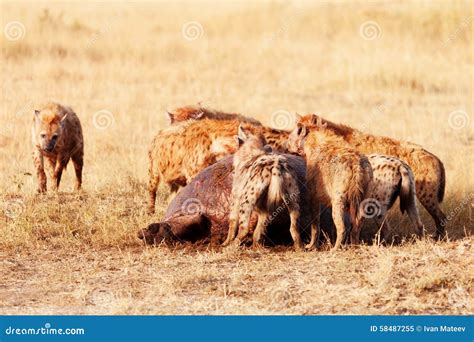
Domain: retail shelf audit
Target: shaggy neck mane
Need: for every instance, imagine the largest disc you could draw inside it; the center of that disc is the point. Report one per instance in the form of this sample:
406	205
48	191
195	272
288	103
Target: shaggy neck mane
339	129
328	136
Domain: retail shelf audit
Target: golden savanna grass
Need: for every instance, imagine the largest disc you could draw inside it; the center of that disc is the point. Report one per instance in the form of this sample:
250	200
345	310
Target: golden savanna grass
121	66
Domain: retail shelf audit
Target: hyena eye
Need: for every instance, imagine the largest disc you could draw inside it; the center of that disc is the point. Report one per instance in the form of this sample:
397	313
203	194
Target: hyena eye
55	136
42	135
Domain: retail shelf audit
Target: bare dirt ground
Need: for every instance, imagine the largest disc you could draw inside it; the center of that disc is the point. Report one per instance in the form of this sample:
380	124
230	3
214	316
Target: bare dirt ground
403	70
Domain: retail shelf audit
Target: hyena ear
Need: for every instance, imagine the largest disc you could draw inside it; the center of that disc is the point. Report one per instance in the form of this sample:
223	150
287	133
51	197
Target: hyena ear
317	121
238	140
297	117
302	130
242	133
170	117
63	120
37	112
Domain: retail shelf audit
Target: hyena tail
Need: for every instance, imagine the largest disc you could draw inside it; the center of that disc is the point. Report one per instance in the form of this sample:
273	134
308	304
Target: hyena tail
407	188
363	186
442	182
275	188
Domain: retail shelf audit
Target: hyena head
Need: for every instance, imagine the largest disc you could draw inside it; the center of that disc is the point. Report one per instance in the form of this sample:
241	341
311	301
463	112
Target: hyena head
48	127
249	146
186	113
304	124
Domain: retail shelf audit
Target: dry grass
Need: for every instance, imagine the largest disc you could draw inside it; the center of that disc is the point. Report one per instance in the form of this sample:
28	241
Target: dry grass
78	253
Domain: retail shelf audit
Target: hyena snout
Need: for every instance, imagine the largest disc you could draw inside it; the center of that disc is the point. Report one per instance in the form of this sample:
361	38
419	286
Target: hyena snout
49	145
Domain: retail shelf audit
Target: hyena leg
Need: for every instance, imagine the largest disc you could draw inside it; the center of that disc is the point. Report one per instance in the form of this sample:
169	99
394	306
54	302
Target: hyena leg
439	217
233	221
294	227
40	174
338	218
315	224
153	182
245	212
78	162
414	216
260	229
58	171
292	202
174	189
384	227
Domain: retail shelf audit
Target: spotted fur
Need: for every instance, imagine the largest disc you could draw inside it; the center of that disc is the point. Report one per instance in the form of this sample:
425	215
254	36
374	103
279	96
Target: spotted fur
338	176
199	112
263	181
57	137
430	177
181	151
393	179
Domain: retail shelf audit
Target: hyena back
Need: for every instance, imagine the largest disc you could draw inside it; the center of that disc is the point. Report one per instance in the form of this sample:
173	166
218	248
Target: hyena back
337	176
199	113
429	172
264	182
392	178
180	152
57	137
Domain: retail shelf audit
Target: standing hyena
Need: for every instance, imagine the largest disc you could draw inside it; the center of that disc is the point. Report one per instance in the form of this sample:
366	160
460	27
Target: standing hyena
392	178
57	137
430	176
199	113
180	152
337	176
263	181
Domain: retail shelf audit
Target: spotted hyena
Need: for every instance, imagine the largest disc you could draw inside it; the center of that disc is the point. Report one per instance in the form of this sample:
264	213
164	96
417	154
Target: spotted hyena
181	151
57	137
392	178
263	181
199	112
337	176
430	176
